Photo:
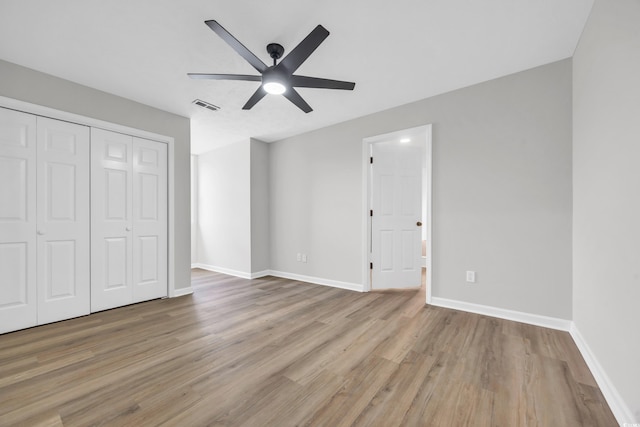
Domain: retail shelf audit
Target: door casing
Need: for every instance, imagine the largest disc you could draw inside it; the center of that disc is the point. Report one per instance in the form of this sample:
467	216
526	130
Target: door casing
424	132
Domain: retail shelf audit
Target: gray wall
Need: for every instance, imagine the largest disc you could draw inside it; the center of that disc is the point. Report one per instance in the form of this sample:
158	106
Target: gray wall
233	214
42	89
259	206
225	208
501	192
606	204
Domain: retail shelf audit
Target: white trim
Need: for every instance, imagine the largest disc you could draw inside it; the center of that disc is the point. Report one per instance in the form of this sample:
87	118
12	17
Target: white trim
291	276
182	292
39	110
502	313
366	202
260	274
224	270
429	220
231	272
366	223
318	281
171	241
619	408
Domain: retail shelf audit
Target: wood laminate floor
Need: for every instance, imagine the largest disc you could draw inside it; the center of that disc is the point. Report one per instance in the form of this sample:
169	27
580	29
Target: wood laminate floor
275	352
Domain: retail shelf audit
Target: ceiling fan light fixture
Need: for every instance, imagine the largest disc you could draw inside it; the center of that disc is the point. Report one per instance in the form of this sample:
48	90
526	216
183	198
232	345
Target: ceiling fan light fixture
274	88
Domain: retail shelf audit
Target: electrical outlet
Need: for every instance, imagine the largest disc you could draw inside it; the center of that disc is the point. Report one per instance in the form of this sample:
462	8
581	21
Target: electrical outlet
304	257
471	276
298	257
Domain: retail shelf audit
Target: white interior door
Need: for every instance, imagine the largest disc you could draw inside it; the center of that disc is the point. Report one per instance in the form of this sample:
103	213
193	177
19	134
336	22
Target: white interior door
149	220
63	220
111	220
18	305
396	197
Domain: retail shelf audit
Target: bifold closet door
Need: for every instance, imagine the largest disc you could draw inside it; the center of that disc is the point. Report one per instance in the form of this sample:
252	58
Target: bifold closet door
18	305
44	220
128	220
111	220
149	220
63	220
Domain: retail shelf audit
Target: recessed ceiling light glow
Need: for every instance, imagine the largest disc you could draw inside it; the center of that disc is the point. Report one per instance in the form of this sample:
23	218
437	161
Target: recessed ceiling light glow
274	88
405	140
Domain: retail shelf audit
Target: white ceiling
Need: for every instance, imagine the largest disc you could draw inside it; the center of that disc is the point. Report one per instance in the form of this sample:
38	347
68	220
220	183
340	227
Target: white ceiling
396	51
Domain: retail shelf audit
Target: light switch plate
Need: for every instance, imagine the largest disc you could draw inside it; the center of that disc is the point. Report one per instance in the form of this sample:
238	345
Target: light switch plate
471	276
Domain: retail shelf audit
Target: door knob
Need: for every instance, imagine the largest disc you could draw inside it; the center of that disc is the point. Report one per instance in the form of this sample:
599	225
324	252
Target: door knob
419	224
128	228
40	233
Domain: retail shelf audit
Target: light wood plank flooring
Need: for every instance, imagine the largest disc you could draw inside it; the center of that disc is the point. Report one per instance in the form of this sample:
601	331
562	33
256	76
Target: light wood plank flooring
275	352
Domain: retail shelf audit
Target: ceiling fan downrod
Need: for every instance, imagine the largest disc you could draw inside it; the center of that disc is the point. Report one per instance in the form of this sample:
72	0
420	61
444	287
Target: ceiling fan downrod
275	51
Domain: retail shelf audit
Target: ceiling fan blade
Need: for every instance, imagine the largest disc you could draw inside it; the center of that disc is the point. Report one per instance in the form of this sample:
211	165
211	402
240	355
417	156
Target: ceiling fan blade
257	96
300	53
304	81
224	77
292	95
236	45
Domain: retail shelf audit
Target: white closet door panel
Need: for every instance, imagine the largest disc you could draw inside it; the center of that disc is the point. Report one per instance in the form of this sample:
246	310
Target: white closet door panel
149	220
18	303
111	220
63	220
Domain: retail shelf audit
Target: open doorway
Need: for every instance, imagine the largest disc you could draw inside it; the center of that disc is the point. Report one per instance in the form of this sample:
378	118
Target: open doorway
397	207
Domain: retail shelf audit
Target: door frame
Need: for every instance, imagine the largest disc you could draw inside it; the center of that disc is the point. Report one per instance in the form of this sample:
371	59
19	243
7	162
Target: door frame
426	131
52	113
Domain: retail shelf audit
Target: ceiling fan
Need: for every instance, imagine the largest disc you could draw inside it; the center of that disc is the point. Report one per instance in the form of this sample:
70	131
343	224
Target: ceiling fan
279	78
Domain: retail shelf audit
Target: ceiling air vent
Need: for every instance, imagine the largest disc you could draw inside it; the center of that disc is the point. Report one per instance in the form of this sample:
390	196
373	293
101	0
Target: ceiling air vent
203	104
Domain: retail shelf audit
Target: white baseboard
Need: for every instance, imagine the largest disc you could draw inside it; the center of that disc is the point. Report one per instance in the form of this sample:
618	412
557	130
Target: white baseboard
620	410
223	270
309	279
182	292
318	281
230	272
517	316
260	274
